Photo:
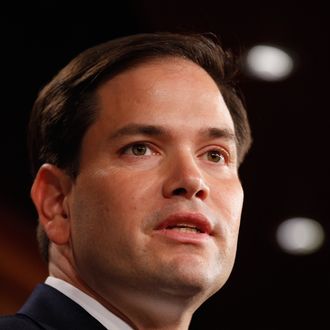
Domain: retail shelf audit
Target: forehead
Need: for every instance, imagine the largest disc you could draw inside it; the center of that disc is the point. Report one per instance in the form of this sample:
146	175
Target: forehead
161	88
152	74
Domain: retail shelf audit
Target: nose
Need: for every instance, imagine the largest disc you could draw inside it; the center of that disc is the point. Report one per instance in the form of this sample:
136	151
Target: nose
184	179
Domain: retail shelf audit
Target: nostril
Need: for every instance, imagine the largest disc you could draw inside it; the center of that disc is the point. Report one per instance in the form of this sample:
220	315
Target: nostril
200	194
179	192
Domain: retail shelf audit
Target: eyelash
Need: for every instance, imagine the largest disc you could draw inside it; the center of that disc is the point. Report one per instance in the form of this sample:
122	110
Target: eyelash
130	146
218	151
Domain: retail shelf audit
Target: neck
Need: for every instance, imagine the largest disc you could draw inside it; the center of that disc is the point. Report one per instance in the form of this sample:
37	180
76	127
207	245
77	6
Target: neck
153	310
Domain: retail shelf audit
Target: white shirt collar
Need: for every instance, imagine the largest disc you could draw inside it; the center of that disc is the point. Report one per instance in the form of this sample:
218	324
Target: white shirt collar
94	308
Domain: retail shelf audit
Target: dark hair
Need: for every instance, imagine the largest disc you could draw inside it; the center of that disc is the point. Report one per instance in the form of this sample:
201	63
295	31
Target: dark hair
67	106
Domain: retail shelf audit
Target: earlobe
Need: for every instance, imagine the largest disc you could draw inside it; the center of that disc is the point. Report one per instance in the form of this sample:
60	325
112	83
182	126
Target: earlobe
49	193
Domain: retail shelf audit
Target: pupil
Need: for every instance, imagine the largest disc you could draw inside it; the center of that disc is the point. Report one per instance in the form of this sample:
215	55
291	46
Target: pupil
214	156
139	149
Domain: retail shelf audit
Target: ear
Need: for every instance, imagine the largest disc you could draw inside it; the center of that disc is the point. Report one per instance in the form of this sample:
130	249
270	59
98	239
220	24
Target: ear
50	191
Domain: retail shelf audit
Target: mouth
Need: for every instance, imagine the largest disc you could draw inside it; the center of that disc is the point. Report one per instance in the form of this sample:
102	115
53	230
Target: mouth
186	226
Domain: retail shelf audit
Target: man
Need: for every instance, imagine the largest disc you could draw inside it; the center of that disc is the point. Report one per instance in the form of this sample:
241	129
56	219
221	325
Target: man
135	147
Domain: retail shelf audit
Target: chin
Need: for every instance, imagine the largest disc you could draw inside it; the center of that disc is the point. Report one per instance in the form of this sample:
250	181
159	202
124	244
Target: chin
197	279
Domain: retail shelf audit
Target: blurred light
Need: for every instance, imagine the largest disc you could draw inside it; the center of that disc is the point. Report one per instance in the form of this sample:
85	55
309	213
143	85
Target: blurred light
300	236
268	63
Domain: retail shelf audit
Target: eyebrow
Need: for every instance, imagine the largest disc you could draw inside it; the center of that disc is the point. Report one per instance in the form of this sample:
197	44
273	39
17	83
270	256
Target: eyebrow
215	132
137	129
155	130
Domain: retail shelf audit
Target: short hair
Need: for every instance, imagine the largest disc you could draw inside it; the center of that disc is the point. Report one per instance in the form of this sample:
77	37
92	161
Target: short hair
67	105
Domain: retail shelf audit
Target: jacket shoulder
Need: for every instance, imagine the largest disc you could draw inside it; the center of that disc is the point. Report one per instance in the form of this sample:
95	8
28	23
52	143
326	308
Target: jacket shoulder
17	322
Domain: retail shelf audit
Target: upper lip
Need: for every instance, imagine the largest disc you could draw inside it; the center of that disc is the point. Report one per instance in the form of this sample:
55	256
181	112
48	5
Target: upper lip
197	220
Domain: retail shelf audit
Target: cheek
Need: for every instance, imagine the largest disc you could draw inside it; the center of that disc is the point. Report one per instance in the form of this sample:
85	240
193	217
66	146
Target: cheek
236	201
99	224
115	200
108	189
229	197
228	203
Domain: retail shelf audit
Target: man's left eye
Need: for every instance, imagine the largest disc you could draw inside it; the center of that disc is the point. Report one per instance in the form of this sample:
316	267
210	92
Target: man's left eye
215	156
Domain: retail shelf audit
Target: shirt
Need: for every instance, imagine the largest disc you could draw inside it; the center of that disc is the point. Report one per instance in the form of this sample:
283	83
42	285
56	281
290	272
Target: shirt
93	307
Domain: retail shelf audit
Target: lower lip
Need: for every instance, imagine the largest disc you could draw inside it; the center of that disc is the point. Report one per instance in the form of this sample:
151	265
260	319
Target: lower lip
183	237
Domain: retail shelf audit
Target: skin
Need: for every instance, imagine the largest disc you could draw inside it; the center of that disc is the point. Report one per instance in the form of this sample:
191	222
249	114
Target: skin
104	224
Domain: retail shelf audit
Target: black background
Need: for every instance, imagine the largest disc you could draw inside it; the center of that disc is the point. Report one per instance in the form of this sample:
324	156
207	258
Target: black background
286	173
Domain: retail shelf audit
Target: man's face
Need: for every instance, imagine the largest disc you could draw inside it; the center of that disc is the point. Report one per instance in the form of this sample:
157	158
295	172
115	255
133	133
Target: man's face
157	202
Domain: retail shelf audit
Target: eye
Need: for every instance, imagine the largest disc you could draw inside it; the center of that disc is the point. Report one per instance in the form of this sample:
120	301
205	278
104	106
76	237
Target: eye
138	149
215	156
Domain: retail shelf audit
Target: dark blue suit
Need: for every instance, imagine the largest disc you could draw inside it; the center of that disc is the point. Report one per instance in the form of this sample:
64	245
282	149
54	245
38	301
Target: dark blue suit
47	308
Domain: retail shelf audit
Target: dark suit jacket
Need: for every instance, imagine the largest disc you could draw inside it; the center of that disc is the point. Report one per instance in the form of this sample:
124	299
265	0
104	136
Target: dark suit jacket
47	308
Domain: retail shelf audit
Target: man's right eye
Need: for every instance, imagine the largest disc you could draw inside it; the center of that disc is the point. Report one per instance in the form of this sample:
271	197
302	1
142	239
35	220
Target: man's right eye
138	149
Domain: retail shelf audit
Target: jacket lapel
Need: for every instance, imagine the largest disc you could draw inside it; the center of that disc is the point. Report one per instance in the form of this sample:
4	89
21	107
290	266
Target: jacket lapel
51	309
